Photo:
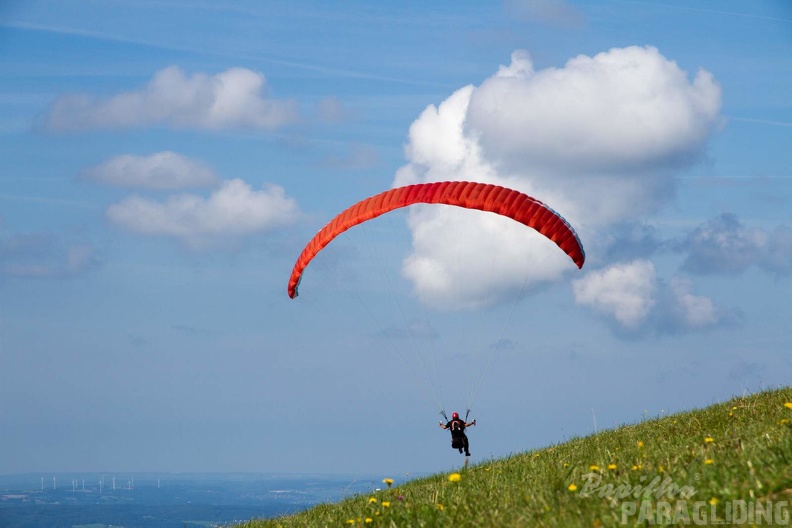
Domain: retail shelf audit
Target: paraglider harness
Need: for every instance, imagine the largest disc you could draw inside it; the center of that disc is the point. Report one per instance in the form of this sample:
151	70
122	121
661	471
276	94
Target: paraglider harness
457	431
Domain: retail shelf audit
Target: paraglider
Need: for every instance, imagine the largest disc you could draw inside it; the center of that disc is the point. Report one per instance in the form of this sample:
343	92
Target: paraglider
469	195
459	439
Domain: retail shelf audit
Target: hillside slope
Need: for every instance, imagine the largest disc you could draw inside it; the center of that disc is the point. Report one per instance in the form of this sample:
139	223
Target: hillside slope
730	463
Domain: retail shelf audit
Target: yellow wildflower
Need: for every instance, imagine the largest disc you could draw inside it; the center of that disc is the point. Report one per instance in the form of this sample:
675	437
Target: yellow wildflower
611	466
788	405
372	500
350	521
709	440
713	501
640	443
454	477
572	487
660	469
388	481
440	507
783	421
386	504
634	468
369	519
594	467
709	461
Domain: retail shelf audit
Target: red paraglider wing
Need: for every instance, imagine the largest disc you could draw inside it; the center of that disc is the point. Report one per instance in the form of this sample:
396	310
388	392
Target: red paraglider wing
470	195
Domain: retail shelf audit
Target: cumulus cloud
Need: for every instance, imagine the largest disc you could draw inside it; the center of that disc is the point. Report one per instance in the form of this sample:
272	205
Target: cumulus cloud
596	140
625	291
234	98
638	301
695	311
163	170
625	109
233	210
725	245
44	255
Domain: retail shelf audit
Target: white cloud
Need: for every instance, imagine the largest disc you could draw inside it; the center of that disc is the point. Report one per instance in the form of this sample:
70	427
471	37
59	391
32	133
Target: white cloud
639	302
695	311
594	140
624	291
627	108
233	210
163	170
231	99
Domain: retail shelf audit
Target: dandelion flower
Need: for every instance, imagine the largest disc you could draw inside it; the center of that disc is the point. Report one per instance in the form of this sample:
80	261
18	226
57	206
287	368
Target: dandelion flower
386	504
388	481
454	477
372	500
640	443
440	507
369	519
350	521
709	461
713	501
634	468
709	440
572	487
594	467
783	421
611	466
788	405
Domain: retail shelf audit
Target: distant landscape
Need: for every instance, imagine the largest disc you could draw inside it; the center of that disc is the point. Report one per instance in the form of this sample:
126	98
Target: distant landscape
141	500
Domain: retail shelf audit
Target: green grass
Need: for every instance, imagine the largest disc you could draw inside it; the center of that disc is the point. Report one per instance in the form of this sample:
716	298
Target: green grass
740	450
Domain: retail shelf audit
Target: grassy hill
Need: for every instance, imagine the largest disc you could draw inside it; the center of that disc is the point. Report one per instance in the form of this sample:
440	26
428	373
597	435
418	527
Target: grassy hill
728	464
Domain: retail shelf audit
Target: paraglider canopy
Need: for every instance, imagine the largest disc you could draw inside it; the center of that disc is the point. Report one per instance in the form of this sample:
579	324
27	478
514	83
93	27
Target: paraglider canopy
470	195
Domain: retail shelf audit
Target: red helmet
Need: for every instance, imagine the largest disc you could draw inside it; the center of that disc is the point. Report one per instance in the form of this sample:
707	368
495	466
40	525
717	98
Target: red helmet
454	416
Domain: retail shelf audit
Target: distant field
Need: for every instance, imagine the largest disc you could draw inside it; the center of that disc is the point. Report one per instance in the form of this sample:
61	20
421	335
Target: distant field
163	501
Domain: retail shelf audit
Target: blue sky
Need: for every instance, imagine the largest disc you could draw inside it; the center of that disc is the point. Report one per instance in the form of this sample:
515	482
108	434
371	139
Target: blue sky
164	163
